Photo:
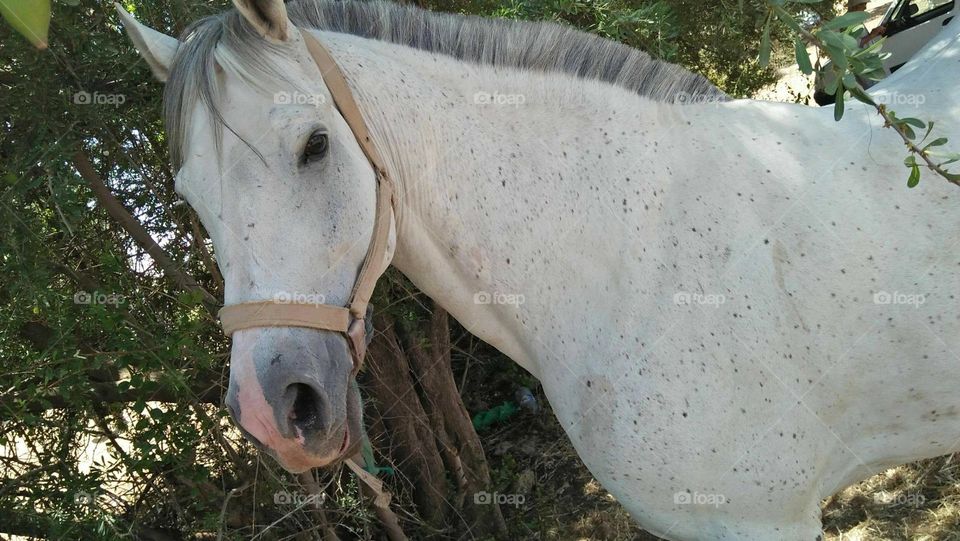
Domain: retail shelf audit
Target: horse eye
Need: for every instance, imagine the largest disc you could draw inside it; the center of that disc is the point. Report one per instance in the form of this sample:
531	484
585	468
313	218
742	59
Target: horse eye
315	149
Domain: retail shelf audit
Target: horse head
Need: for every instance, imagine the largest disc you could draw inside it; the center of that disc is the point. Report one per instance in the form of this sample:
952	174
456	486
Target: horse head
289	200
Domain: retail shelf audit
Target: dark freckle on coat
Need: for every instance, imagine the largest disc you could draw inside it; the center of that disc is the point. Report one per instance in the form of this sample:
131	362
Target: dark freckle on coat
589	383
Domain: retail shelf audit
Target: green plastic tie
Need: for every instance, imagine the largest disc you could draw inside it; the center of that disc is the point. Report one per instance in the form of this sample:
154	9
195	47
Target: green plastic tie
495	415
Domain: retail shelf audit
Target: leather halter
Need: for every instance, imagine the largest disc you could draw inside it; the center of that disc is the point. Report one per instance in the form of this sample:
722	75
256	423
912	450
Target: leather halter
349	320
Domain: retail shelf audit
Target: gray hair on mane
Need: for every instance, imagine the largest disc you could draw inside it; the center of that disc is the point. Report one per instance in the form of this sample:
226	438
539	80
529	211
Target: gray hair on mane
543	46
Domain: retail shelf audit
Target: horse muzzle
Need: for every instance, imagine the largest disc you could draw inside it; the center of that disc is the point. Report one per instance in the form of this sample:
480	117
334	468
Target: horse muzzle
292	394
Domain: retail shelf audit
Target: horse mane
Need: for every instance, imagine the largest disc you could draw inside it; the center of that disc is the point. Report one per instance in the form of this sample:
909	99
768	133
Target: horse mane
536	46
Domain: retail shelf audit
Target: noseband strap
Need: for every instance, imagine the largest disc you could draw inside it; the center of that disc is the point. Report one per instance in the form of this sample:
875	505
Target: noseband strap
350	319
272	314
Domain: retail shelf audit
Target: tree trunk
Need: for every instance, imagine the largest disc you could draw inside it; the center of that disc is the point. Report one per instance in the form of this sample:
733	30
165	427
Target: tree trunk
411	443
430	435
458	440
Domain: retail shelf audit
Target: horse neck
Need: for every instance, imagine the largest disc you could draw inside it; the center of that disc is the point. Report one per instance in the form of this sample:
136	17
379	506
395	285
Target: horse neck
497	170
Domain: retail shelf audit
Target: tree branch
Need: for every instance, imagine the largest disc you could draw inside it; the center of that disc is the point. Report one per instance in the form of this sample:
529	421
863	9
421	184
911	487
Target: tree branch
139	234
108	393
889	118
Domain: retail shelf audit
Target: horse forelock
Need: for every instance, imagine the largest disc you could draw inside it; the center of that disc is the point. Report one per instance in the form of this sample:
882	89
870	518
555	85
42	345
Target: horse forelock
228	40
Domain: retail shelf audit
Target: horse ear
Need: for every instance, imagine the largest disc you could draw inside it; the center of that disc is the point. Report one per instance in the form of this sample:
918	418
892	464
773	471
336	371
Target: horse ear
155	47
268	17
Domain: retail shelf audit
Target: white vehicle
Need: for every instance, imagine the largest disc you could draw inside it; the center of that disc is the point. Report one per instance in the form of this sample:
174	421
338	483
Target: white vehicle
909	25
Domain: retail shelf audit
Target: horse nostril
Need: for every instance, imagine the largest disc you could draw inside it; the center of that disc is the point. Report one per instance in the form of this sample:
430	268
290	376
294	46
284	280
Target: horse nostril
307	411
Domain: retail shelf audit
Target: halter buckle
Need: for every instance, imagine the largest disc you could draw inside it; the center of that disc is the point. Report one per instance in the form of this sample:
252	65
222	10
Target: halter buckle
357	335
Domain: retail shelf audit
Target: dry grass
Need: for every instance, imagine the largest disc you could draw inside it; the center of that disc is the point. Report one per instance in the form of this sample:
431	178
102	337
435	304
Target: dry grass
916	502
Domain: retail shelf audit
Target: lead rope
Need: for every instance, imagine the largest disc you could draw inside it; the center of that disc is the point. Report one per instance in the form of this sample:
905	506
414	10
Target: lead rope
366	448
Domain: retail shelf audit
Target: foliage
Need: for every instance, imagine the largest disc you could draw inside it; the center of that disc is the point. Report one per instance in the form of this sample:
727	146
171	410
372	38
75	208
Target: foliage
839	39
719	39
649	26
722	41
112	377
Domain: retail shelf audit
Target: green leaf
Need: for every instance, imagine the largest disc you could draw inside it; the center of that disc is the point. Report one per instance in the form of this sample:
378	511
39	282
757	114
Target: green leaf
929	129
938	142
765	45
850	81
839	57
846	20
29	17
914	178
915	122
848	44
861	96
950	157
787	19
832	85
190	298
803	58
838	106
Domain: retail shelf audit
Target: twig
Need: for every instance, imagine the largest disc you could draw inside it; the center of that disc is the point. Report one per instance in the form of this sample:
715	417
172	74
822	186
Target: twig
139	234
381	500
226	502
859	92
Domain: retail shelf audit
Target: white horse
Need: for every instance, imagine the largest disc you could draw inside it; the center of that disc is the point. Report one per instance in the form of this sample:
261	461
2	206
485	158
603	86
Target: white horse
736	308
